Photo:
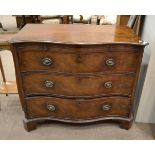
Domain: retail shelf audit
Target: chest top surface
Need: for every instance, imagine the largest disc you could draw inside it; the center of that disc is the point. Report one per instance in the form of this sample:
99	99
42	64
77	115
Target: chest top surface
77	34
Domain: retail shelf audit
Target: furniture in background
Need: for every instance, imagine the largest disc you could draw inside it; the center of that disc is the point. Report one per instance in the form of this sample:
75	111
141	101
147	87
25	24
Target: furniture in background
2	70
138	24
92	19
122	20
66	19
135	22
83	19
22	20
1	27
4	45
6	87
50	19
77	78
62	19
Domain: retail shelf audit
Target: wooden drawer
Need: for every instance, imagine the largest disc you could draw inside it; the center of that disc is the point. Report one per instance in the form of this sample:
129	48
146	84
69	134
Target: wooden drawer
72	86
77	109
78	60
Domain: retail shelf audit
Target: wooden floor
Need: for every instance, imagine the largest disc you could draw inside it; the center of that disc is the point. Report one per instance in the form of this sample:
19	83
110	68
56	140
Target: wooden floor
8	87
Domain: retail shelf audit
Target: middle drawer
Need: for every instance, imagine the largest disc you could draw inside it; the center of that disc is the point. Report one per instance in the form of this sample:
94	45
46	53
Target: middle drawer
73	86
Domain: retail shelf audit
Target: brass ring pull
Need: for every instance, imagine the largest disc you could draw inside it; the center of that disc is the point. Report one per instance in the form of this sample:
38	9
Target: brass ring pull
108	84
110	62
50	107
106	107
47	61
48	84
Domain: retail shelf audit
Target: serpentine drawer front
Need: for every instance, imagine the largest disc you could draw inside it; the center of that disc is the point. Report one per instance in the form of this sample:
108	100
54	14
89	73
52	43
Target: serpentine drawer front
72	60
77	109
75	86
81	77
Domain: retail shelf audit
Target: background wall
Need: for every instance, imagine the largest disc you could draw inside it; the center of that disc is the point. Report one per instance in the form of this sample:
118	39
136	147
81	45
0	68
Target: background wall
146	107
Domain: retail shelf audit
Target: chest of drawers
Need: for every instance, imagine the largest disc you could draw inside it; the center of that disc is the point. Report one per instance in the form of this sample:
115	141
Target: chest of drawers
77	73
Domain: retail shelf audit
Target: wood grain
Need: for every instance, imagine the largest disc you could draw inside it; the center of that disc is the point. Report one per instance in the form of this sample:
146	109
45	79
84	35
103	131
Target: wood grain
76	34
78	86
89	59
77	109
79	72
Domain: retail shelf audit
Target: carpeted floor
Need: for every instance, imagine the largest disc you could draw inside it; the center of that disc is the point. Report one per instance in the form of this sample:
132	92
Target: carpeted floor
11	127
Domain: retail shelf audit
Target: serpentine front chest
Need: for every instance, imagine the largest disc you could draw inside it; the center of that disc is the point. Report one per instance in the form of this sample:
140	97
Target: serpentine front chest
77	73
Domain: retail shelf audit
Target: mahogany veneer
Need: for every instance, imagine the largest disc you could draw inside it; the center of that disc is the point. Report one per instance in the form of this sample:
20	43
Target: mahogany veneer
77	73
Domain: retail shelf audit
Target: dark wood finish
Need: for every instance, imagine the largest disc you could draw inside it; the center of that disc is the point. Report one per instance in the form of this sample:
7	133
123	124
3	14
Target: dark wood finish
77	34
22	20
77	109
88	59
30	125
77	74
126	124
66	19
77	86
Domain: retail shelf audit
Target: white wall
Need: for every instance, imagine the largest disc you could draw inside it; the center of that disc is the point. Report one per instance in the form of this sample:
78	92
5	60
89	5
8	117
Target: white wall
146	109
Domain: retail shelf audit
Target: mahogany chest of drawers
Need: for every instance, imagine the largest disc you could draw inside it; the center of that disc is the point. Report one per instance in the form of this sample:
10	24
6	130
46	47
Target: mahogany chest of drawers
77	73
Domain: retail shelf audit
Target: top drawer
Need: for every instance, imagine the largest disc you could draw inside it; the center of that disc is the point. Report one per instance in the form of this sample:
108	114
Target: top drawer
78	60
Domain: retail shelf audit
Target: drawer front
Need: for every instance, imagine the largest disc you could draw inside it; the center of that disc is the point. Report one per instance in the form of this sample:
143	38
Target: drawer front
77	109
77	61
72	86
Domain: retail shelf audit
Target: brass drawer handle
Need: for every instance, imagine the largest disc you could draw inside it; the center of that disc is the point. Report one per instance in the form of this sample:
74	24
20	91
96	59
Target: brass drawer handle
48	84
51	107
108	84
110	62
47	61
106	107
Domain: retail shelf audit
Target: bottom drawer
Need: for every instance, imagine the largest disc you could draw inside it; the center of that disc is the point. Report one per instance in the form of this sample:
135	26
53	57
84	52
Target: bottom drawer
77	108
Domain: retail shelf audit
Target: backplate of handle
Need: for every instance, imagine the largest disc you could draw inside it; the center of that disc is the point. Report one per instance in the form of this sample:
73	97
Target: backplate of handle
110	62
106	107
50	107
47	61
48	84
108	84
